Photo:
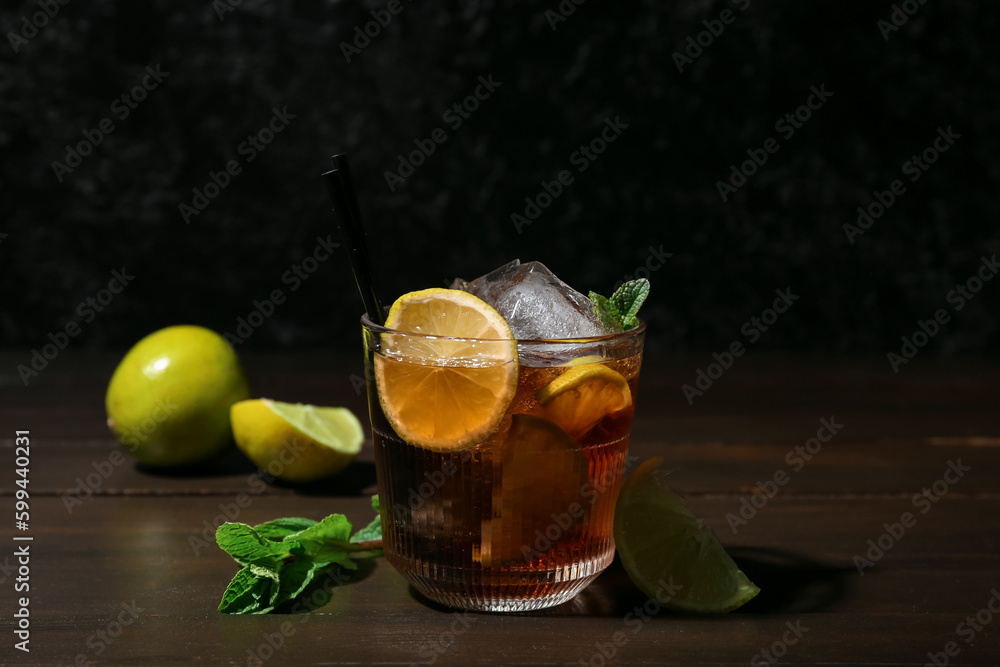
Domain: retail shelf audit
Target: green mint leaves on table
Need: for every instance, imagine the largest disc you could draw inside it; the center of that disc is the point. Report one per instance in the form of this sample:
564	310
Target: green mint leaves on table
281	558
623	306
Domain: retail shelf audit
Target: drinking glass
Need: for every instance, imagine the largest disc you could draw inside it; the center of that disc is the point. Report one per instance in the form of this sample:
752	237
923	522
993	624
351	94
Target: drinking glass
523	519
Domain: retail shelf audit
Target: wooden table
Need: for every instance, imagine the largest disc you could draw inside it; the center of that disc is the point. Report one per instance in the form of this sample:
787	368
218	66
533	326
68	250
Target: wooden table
120	577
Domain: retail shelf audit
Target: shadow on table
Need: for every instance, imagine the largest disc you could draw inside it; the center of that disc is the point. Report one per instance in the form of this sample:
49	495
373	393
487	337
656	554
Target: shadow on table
358	479
232	463
355	480
789	583
324	588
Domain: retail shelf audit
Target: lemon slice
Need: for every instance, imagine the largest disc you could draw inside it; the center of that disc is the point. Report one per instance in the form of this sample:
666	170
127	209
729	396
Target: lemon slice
296	442
582	396
667	550
448	389
589	359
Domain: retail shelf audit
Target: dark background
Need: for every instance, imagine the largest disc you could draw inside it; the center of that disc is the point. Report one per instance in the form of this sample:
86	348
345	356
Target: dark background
654	187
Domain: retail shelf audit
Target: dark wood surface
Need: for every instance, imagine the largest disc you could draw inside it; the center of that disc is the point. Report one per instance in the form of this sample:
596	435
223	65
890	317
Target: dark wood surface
133	544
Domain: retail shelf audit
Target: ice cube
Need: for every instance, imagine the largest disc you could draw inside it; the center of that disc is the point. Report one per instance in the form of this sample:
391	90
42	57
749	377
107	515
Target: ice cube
535	303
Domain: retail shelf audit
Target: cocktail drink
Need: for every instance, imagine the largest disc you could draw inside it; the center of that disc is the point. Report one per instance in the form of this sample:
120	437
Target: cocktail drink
499	460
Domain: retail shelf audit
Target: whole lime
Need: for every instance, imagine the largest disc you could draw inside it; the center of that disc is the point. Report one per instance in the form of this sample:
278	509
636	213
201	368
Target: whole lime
168	401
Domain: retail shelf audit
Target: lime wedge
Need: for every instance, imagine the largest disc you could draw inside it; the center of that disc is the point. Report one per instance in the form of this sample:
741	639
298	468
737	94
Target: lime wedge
660	540
296	442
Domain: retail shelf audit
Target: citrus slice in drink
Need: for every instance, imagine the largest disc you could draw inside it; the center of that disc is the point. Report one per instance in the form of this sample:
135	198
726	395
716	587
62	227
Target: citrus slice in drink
296	442
582	396
588	359
663	546
448	388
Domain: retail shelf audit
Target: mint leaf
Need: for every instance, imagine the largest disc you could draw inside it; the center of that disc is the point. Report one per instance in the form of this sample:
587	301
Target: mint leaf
605	311
327	541
258	590
244	592
370	533
294	579
277	529
248	548
252	591
267	588
627	300
281	558
265	573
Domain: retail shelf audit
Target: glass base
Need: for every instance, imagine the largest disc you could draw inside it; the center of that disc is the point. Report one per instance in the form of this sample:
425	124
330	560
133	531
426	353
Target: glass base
506	591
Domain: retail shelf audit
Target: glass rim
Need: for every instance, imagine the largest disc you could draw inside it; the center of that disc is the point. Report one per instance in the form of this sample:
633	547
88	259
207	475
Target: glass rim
612	337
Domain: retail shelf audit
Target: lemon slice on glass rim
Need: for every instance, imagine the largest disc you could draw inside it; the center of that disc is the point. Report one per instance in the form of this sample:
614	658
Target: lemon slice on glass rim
449	387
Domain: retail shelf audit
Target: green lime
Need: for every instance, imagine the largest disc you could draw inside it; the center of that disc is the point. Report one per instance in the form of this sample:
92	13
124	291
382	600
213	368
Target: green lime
296	442
660	540
168	400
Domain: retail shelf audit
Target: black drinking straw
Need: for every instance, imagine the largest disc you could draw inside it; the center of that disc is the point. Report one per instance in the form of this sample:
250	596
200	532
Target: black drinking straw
348	216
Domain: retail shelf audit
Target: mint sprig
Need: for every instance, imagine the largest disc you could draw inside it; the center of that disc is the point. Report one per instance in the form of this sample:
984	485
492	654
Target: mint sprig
280	558
606	312
622	308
